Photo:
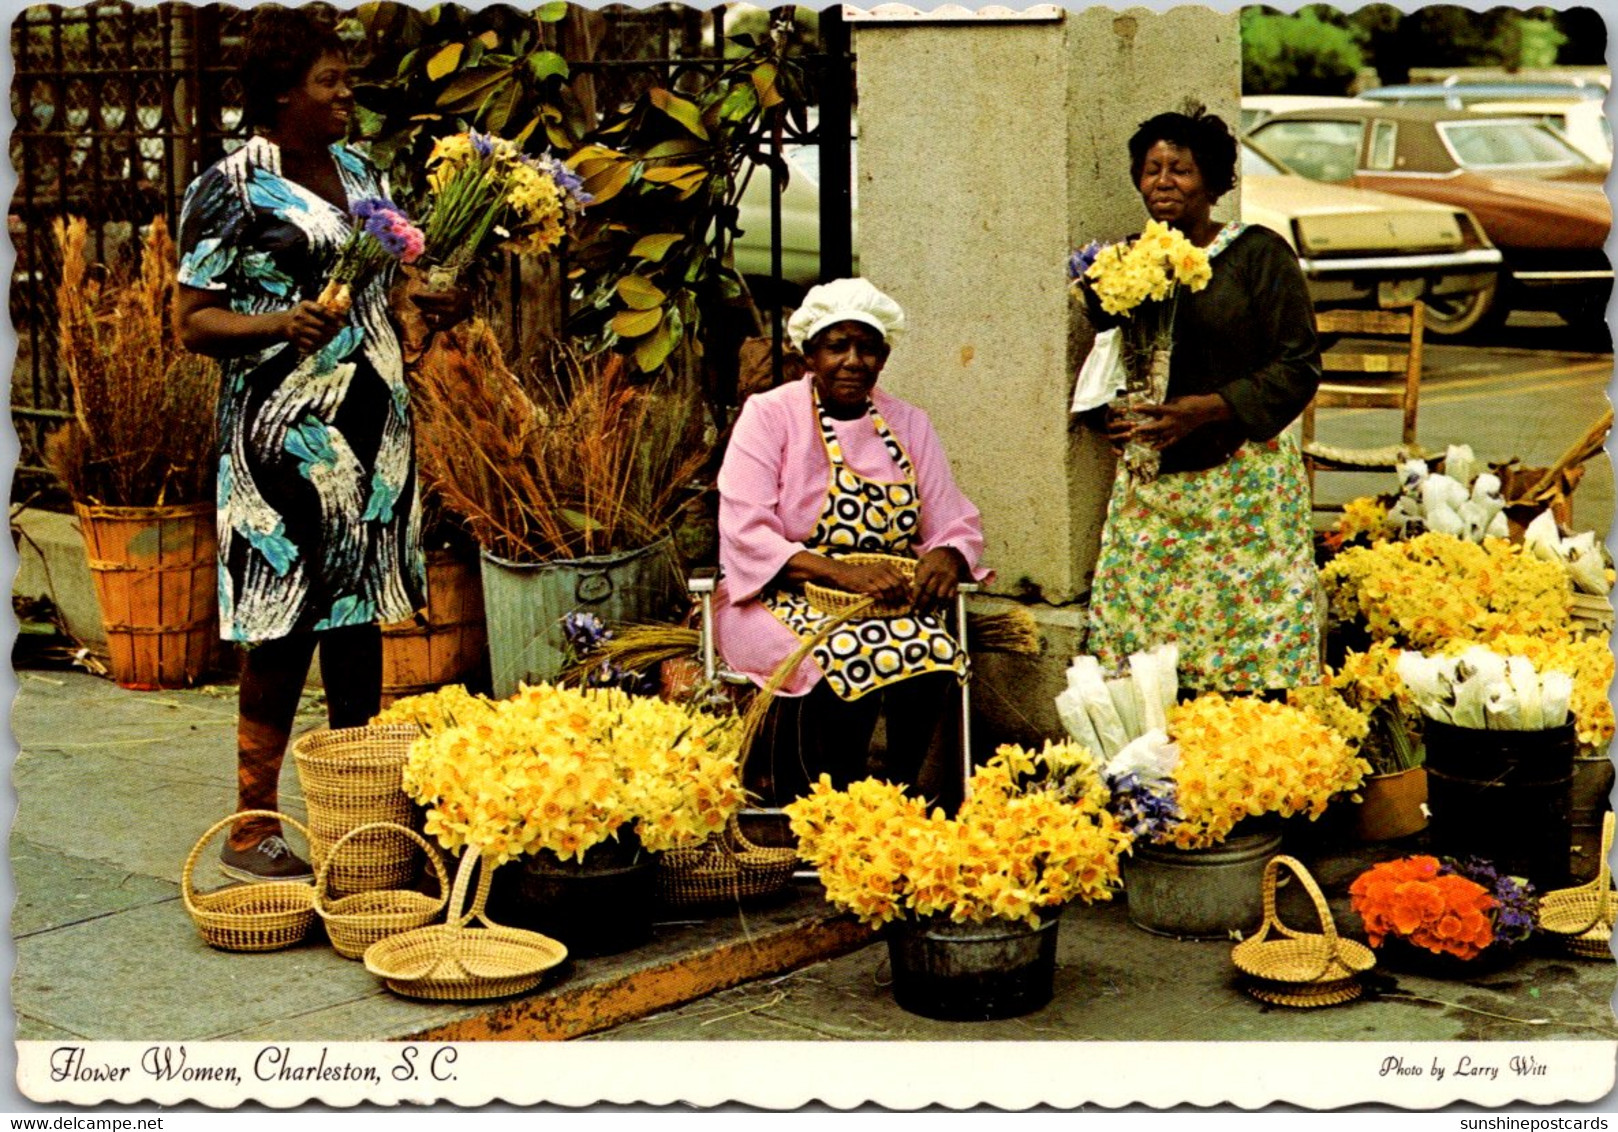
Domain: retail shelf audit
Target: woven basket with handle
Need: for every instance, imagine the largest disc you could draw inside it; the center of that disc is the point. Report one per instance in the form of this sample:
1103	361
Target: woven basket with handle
354	776
356	921
726	867
1583	916
1296	968
248	917
455	961
835	602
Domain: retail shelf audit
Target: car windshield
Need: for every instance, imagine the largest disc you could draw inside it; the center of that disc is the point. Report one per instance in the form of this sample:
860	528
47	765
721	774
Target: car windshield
1495	145
1256	164
1320	150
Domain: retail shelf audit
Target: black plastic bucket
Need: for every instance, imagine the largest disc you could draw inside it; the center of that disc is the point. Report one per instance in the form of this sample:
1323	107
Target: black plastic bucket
1506	796
972	972
591	909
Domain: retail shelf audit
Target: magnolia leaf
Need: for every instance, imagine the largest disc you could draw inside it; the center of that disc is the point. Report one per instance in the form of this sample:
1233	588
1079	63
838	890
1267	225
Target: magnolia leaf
738	104
489	39
552	12
682	111
654	248
639	293
652	352
632	324
520	138
764	83
675	147
445	61
668	174
543	64
470	88
609	182
500	107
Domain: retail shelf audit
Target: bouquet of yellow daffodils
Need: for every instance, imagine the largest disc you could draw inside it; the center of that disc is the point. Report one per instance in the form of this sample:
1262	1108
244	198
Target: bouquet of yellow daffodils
1034	833
1141	282
482	190
1237	757
1366	702
1434	588
561	770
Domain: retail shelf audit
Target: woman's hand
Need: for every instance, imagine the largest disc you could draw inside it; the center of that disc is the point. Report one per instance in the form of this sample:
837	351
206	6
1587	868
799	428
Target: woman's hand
309	326
439	308
1158	426
938	574
883	582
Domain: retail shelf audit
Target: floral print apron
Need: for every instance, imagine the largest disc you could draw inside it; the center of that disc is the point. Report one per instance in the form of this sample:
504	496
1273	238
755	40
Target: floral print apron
871	516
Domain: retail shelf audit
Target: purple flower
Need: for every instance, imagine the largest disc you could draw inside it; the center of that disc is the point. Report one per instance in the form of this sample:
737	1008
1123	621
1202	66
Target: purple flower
1079	262
482	144
368	207
569	182
1516	900
1148	811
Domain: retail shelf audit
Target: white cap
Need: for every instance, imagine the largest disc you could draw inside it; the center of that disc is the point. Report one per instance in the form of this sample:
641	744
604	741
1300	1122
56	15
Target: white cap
844	300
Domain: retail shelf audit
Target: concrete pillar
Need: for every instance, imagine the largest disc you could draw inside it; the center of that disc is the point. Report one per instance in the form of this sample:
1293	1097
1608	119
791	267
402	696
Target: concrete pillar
988	150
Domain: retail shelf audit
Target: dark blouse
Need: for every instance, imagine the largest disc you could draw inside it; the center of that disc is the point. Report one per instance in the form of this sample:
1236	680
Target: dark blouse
1249	336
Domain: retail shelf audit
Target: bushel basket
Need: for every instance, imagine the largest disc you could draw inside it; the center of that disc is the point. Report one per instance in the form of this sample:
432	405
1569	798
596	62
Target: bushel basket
354	776
356	921
248	917
726	867
454	961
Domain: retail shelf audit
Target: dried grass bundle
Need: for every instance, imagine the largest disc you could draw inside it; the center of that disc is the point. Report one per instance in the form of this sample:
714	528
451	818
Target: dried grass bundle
639	648
566	459
142	433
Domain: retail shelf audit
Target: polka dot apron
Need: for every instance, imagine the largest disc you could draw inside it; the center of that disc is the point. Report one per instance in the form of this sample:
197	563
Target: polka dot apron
870	516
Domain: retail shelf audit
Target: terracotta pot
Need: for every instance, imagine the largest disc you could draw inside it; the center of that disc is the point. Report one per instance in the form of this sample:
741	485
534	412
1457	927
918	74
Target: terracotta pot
1393	805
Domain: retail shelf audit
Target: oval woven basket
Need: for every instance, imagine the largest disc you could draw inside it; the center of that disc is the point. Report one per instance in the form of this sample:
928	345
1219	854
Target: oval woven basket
354	776
1583	916
835	602
726	867
355	922
248	917
455	962
1296	963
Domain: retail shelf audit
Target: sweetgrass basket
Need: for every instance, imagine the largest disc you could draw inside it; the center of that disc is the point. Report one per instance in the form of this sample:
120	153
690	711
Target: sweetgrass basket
1294	968
456	962
835	602
726	867
354	776
248	917
356	921
1583	916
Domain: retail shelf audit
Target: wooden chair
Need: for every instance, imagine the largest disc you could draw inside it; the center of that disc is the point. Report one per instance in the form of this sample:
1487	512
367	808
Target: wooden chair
1379	368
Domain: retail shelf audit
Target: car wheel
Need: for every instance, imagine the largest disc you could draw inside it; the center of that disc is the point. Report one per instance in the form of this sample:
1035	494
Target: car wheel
1452	315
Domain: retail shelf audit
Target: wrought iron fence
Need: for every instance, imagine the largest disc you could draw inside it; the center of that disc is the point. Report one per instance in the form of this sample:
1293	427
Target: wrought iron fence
118	107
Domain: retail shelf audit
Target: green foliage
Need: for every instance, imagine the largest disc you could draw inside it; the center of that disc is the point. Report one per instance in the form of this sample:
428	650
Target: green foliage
1297	54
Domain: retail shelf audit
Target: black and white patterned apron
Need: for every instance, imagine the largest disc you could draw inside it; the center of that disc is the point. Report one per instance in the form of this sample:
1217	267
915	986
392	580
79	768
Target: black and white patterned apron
872	516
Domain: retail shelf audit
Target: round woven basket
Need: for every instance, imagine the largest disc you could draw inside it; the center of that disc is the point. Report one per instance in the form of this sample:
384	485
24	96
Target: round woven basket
1304	995
1293	962
455	962
1583	916
726	867
354	776
355	922
248	917
835	602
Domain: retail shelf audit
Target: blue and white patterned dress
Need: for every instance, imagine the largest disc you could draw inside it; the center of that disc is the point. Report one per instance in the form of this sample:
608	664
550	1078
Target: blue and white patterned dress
319	524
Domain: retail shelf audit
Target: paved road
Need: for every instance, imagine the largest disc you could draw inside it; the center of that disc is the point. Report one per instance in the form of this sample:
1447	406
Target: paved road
1529	391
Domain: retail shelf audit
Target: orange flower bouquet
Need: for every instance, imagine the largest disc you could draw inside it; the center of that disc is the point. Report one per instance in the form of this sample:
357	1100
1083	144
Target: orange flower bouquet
1416	900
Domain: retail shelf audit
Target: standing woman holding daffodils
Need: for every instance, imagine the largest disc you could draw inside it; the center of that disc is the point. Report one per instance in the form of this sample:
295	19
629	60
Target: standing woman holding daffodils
318	520
1208	537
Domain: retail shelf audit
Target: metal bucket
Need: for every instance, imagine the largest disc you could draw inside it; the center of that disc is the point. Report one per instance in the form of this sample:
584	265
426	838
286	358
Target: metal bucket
524	603
1592	785
600	906
1199	893
1505	796
972	972
1392	806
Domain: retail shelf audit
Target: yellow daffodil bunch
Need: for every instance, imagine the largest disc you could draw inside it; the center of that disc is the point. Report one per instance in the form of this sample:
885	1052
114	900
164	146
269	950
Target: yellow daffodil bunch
1124	276
1364	518
1034	834
1588	660
434	711
1433	588
1242	757
563	769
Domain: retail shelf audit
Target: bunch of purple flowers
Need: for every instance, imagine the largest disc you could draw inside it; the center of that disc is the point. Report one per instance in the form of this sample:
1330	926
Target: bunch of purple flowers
1146	809
1516	901
586	634
382	234
1079	262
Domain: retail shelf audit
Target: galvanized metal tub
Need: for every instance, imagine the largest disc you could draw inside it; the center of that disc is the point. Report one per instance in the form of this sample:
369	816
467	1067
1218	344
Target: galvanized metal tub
972	972
1200	893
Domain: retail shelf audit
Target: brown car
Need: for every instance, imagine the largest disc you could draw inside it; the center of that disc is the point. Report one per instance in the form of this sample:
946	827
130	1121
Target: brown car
1539	199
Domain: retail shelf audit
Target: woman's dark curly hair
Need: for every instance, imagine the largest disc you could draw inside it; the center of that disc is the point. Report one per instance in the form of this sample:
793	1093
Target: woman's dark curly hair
282	45
1205	135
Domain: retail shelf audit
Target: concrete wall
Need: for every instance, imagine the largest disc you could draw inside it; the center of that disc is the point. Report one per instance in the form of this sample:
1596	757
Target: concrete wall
988	151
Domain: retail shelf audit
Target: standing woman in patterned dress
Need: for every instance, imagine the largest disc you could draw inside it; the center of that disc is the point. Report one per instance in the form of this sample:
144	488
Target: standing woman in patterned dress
1216	555
815	470
318	522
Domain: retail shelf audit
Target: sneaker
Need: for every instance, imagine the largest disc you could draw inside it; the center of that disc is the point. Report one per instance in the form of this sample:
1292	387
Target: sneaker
271	859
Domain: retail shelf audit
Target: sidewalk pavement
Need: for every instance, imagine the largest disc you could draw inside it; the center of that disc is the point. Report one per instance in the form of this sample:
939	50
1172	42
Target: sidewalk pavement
115	786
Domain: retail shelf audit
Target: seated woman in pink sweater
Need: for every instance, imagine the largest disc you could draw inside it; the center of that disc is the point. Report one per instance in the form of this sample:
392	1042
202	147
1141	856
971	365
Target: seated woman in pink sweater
817	469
